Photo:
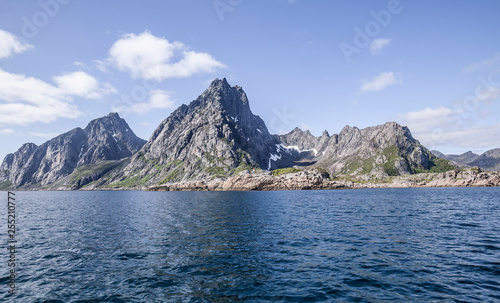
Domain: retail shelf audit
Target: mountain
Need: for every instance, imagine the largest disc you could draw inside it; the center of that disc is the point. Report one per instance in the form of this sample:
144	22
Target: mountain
217	136
489	160
214	136
387	149
464	158
105	139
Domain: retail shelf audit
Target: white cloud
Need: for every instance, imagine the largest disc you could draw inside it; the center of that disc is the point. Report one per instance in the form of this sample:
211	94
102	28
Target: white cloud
44	135
449	130
80	64
485	64
378	44
304	126
478	138
158	99
101	66
379	82
83	85
25	100
9	44
149	57
7	131
428	120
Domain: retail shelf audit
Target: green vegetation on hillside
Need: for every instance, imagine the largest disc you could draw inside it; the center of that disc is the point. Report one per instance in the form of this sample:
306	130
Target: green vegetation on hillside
287	170
391	156
98	169
5	184
440	165
175	175
133	181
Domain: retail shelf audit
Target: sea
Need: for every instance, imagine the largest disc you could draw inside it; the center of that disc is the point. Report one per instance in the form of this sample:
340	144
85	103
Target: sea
364	245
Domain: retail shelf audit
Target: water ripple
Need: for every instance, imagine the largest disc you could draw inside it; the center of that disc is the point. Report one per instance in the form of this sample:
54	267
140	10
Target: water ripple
400	245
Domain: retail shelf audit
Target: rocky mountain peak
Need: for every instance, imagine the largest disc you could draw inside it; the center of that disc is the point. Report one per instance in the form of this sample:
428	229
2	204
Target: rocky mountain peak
231	100
213	135
469	154
106	138
109	138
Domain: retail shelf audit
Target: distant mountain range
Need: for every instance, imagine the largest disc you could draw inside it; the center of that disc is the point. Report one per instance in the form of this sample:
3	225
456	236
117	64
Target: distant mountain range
215	136
489	160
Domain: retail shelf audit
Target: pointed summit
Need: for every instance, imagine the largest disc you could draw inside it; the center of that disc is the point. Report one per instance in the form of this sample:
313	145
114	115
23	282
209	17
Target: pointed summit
216	83
233	100
109	138
212	136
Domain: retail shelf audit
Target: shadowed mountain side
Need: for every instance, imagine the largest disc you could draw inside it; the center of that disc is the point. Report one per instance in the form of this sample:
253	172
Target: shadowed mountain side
105	139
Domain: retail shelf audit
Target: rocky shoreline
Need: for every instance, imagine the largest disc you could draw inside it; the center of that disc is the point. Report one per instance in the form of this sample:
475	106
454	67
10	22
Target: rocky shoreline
315	179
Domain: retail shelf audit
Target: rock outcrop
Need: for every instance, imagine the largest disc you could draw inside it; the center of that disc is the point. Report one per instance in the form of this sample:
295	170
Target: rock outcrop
314	179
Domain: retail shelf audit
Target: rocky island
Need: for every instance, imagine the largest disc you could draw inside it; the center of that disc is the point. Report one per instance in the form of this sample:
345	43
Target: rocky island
217	143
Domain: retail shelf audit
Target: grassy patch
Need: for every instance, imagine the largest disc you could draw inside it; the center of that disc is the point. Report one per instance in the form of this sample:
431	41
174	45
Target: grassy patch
242	167
5	184
392	155
217	171
174	163
175	175
133	181
98	169
440	165
287	170
366	166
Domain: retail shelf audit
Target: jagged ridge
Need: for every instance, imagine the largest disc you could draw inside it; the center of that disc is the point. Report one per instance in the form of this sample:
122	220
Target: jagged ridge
215	136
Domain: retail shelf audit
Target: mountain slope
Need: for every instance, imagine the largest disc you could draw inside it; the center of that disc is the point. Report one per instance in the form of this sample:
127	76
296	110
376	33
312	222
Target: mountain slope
215	135
106	138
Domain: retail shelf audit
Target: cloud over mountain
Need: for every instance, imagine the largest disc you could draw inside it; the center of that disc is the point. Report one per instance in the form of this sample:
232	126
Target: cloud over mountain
155	58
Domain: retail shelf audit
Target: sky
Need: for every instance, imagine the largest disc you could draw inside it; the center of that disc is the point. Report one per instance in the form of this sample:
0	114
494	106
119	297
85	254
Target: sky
433	66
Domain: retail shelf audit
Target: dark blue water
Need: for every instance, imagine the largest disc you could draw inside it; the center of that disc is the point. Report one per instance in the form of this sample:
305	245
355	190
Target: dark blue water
381	245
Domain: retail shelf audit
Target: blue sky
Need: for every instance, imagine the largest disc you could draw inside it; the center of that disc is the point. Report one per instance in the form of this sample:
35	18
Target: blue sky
433	66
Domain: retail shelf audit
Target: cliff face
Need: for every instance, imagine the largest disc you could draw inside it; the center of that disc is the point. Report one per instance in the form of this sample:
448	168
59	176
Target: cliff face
106	138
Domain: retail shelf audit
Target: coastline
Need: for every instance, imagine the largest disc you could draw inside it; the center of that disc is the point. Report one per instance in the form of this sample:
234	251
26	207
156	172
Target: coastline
310	179
315	180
